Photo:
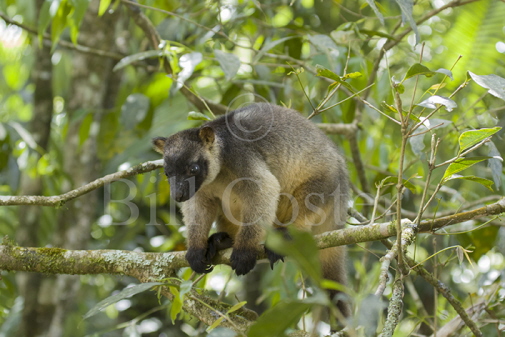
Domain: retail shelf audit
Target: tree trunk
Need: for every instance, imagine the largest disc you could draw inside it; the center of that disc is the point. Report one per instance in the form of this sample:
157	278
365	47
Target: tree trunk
34	316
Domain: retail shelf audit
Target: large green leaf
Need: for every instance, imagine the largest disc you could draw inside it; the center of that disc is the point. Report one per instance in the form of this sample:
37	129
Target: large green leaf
460	165
470	138
485	182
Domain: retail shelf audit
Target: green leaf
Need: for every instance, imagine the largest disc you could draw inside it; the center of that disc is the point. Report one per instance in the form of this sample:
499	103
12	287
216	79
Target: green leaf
137	57
236	307
274	321
104	4
59	22
418	69
77	14
435	100
323	72
176	307
185	287
406	7
197	116
355	74
125	293
269	46
230	63
406	183
372	5
485	182
494	83
84	128
44	18
377	33
215	324
222	332
470	138
307	259
460	165
187	63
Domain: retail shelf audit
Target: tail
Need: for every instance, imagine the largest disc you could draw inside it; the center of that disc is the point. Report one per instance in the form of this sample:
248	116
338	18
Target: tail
333	263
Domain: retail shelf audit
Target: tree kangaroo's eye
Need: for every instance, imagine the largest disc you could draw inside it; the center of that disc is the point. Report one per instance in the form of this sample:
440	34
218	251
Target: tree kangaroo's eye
194	169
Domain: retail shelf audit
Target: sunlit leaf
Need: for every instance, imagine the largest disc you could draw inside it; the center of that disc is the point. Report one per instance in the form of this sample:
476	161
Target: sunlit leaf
470	138
176	307
104	4
125	293
460	165
485	182
355	74
236	307
215	324
197	116
323	72
494	83
433	101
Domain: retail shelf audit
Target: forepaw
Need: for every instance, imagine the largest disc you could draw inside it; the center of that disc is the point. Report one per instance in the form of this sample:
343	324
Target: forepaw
217	242
273	257
243	260
197	259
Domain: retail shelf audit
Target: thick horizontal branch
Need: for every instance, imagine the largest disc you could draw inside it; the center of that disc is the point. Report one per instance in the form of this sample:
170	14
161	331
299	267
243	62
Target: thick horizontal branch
59	200
136	264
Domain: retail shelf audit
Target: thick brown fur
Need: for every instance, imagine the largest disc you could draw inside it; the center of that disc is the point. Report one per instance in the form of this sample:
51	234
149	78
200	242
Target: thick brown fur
257	166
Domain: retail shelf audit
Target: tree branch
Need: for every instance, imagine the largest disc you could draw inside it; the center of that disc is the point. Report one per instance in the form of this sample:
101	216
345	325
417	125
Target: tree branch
66	44
59	200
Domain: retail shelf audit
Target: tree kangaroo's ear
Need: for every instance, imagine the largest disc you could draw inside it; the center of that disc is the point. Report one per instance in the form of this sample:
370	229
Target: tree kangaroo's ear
207	135
159	144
